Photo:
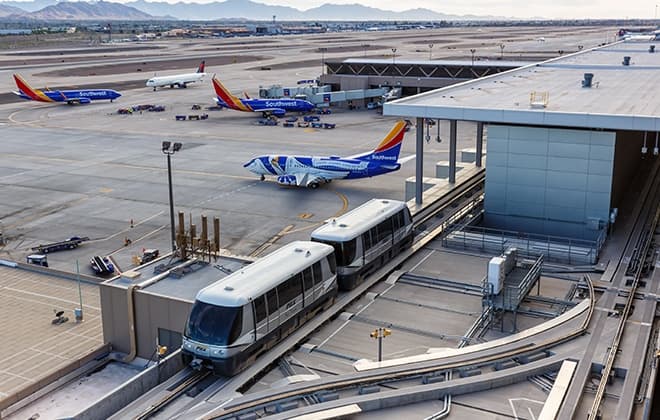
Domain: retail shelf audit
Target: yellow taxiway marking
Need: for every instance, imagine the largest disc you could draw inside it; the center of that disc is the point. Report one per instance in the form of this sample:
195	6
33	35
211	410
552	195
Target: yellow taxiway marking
289	229
341	211
261	248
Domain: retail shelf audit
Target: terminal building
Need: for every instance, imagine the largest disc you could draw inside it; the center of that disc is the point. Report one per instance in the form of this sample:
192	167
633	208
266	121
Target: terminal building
412	76
566	138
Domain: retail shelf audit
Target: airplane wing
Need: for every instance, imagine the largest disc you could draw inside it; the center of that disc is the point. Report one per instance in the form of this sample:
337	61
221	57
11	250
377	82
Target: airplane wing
406	159
275	111
306	179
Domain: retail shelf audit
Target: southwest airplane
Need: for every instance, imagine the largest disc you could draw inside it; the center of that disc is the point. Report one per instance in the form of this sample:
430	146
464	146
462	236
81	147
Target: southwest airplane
276	107
178	80
312	171
71	97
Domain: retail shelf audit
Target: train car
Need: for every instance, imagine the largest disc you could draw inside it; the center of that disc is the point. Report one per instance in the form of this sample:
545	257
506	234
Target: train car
366	237
235	319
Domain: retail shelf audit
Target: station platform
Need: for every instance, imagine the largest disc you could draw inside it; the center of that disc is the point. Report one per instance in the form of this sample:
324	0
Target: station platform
33	350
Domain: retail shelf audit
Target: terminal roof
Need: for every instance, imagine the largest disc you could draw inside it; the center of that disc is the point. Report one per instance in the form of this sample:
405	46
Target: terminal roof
621	97
197	277
440	62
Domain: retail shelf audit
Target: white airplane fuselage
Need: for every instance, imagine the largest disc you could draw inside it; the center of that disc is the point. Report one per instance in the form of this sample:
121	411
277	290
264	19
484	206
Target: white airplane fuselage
179	80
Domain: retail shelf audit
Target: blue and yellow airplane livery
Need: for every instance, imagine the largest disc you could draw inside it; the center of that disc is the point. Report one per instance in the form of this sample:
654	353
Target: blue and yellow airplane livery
312	171
71	97
276	107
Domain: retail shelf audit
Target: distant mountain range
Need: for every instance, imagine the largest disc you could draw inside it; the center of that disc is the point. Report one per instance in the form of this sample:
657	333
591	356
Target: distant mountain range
229	9
98	10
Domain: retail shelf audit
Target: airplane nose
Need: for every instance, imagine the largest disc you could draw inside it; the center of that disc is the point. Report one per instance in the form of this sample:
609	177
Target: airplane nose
250	165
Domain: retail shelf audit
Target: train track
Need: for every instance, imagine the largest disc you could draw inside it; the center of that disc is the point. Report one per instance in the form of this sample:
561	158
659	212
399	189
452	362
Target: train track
635	269
192	379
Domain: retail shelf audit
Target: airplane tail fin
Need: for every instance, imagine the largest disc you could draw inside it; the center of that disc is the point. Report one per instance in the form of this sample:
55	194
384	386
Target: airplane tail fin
225	96
389	148
200	69
34	94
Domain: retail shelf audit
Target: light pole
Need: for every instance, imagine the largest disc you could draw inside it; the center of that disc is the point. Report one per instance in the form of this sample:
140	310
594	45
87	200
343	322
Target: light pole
472	51
393	54
502	51
169	148
379	334
323	50
430	51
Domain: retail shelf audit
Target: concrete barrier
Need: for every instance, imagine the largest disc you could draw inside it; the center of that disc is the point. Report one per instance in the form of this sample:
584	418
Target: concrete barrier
427	184
442	169
126	393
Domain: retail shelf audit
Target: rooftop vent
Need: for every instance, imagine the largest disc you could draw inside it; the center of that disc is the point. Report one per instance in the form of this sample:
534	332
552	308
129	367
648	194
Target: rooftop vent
539	99
651	48
626	60
588	77
229	288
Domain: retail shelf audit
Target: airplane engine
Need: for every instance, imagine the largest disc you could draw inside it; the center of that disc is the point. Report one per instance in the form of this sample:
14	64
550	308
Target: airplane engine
286	180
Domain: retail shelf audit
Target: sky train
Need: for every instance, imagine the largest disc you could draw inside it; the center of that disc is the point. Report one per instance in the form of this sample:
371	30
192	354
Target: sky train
237	318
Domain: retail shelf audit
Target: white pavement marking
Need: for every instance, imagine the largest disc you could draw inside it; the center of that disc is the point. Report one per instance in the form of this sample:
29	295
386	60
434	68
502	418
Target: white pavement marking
48	297
356	314
513	408
422	261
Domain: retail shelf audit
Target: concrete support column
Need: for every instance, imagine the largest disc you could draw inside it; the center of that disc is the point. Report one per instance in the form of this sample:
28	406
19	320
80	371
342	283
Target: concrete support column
480	143
452	151
419	165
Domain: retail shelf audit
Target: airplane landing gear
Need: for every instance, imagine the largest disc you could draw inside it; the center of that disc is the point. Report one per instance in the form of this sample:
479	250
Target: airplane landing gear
262	178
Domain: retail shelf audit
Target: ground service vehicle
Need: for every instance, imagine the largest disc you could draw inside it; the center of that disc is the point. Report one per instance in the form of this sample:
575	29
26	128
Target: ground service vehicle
235	319
366	237
70	243
101	265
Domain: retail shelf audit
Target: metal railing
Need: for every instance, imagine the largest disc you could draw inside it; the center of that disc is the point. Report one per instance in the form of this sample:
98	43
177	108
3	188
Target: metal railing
530	245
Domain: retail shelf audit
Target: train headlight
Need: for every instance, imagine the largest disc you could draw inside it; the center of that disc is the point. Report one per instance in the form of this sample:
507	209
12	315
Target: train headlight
188	346
217	352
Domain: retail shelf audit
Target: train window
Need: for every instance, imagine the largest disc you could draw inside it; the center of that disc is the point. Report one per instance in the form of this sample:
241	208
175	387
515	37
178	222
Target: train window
260	308
366	239
406	217
373	232
271	296
308	280
348	252
214	325
288	290
316	268
397	221
344	251
385	229
332	262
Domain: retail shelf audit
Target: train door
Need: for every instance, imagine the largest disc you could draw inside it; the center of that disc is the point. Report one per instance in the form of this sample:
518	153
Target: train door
273	310
261	317
290	294
308	286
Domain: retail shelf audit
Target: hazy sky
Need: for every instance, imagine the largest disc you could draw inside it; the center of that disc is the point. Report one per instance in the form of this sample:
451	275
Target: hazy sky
574	9
518	8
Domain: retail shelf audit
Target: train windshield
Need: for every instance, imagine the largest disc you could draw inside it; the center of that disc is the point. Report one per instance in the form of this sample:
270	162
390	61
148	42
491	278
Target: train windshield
344	251
214	325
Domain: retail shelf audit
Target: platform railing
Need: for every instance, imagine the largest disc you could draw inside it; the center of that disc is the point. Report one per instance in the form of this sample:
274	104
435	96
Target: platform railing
530	245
